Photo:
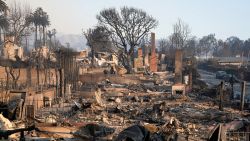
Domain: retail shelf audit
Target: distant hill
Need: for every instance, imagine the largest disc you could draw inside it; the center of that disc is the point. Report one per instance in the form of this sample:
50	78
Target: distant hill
77	42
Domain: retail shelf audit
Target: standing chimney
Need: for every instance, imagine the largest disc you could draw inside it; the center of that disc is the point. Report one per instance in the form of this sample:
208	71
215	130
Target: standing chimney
178	66
153	57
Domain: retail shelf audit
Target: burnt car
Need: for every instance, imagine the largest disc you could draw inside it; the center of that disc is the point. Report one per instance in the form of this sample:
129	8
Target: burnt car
226	77
220	74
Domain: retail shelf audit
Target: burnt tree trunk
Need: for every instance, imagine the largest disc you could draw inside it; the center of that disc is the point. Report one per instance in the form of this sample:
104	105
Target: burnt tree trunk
128	65
37	74
61	82
92	57
44	36
36	38
15	77
8	78
56	73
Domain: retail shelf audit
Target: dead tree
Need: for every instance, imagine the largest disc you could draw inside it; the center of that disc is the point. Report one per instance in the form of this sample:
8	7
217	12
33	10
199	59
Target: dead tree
39	60
97	39
207	43
12	69
127	28
18	21
180	34
7	78
14	73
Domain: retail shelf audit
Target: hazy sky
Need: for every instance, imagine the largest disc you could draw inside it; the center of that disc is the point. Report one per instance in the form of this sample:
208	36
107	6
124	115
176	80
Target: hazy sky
222	17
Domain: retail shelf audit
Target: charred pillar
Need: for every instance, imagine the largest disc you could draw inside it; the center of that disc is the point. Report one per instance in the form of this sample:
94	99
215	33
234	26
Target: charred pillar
221	95
178	67
190	82
145	56
190	74
243	90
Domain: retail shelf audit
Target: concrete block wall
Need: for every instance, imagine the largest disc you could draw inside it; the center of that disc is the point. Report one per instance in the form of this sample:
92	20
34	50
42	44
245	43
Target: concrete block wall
24	76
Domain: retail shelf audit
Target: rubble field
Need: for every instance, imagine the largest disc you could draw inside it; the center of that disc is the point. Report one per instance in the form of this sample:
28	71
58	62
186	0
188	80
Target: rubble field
132	107
139	111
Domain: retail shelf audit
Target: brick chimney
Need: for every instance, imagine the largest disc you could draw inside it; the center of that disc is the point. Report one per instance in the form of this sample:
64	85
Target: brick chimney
153	57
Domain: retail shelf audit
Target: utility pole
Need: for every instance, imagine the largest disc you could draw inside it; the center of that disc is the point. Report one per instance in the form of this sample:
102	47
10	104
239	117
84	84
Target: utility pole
242	98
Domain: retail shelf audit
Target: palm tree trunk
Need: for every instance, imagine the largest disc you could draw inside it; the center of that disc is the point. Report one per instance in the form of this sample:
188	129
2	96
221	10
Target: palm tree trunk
40	36
43	35
49	69
36	38
37	70
92	57
56	82
7	79
0	35
37	74
61	82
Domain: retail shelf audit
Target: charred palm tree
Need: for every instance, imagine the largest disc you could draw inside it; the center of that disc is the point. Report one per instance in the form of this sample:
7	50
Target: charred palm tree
3	6
44	22
40	19
35	18
4	24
